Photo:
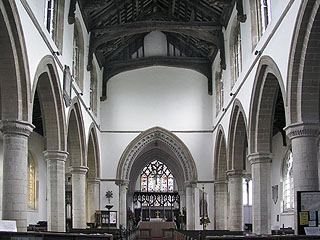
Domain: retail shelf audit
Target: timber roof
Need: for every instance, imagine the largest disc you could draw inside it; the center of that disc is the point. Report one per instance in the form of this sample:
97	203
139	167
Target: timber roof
192	27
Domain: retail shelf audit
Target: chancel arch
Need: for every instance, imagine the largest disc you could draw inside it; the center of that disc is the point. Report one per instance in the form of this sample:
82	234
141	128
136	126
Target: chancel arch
237	155
93	175
77	167
266	117
158	144
220	181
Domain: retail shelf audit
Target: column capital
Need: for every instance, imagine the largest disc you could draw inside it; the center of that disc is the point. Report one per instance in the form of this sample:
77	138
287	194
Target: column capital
79	170
55	155
16	127
191	184
235	173
302	130
122	182
260	157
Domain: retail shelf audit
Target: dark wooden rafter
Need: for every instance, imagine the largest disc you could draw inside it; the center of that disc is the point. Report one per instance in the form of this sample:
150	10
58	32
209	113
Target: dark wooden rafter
118	27
200	65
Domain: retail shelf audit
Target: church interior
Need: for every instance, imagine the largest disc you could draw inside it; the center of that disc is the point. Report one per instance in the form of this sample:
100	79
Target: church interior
184	114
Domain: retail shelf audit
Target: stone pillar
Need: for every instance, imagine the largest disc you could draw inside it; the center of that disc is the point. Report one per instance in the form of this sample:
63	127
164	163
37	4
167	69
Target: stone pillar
304	137
15	175
56	189
190	206
79	197
123	188
261	186
235	220
221	199
93	198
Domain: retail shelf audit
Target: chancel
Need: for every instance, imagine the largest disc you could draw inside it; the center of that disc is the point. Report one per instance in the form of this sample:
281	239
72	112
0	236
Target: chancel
180	115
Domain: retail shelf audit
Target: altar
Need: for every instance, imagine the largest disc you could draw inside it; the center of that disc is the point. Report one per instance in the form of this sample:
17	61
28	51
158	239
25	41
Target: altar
158	228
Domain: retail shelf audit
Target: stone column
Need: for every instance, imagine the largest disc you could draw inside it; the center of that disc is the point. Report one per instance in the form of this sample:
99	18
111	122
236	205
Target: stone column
190	206
79	197
235	220
93	199
261	186
15	175
220	206
56	189
304	137
123	188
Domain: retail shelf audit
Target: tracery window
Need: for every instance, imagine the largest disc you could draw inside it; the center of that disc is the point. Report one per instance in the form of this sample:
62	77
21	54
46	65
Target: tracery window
288	187
32	182
156	177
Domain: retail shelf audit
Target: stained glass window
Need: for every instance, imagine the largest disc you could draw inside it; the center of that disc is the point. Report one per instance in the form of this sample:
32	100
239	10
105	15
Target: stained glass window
156	177
288	190
32	178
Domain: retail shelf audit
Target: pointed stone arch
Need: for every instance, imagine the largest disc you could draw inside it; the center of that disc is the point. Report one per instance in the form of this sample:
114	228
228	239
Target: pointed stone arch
173	144
237	140
14	67
220	181
93	175
47	84
76	135
303	69
267	86
268	82
220	163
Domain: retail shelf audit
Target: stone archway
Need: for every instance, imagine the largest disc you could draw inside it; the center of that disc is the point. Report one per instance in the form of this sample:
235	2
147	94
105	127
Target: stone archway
15	114
268	83
237	154
93	175
173	152
77	164
304	98
220	182
47	90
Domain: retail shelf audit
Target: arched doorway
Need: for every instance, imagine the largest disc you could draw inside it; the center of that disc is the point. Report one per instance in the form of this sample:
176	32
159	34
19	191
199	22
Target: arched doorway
157	144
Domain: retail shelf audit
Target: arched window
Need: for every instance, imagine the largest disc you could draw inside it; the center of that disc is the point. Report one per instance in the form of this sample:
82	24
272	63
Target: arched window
77	59
236	53
156	177
219	90
265	14
32	182
54	19
93	90
260	19
287	177
247	191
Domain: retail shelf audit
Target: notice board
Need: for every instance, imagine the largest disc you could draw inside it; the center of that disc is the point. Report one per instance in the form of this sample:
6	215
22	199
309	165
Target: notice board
308	210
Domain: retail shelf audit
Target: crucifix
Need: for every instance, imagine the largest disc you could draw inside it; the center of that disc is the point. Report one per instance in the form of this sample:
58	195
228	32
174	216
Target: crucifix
158	214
